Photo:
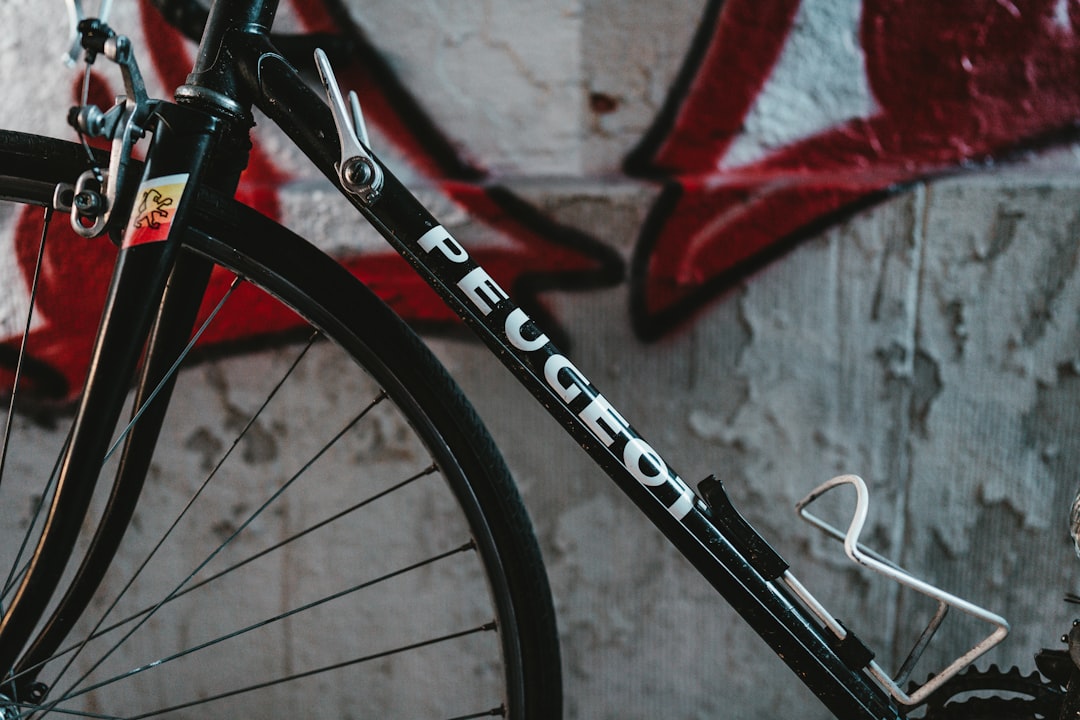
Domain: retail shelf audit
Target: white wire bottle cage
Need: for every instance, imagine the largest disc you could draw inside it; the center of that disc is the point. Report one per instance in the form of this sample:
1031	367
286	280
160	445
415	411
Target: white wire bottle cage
872	560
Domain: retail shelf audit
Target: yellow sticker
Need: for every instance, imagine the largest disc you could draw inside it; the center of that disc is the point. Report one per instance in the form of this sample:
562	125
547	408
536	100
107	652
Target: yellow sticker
155	207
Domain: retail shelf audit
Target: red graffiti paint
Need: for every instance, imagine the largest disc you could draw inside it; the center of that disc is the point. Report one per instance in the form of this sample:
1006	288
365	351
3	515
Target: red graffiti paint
541	253
538	254
954	83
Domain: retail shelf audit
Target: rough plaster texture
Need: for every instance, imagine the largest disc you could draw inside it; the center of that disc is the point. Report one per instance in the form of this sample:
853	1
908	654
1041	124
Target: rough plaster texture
879	348
928	344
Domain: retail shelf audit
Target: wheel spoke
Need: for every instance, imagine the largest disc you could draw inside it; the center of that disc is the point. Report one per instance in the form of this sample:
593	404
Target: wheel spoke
74	652
221	546
175	366
14	574
486	627
365	551
103	631
46	219
288	614
28	711
494	712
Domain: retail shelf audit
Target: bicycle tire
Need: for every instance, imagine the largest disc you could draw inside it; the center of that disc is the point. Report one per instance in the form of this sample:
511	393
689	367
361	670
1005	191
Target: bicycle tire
485	557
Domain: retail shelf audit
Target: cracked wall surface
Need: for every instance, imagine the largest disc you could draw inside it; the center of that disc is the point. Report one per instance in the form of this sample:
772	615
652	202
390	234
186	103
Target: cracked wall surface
927	341
893	346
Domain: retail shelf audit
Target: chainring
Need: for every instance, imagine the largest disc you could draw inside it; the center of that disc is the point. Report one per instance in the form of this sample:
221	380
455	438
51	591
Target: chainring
993	694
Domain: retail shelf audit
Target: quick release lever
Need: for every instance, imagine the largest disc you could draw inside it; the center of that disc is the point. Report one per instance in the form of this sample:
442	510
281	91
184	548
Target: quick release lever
357	170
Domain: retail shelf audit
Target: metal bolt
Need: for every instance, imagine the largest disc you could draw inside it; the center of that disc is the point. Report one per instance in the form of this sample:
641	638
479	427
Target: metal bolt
87	202
357	173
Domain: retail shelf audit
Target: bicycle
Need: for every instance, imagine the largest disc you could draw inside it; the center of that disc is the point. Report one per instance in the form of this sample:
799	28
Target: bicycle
460	553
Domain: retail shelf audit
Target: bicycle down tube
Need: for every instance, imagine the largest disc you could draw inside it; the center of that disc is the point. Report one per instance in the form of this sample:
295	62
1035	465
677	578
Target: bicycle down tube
719	543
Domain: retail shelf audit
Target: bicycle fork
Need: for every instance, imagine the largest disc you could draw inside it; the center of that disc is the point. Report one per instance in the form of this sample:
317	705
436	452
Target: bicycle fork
152	303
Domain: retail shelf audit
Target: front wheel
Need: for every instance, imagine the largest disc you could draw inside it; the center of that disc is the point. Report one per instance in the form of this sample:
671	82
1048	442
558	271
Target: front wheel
325	528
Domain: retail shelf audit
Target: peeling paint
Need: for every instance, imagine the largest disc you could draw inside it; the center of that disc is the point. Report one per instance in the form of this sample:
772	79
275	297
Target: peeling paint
1048	433
954	311
1059	264
1001	236
925	388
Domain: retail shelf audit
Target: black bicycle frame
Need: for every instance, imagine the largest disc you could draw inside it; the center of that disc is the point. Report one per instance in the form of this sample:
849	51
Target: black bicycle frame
238	67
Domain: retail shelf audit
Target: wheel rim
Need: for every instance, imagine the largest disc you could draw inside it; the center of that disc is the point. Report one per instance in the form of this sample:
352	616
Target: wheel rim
281	603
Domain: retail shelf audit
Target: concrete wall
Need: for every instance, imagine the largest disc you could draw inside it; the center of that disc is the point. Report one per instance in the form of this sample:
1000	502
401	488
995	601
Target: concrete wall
804	239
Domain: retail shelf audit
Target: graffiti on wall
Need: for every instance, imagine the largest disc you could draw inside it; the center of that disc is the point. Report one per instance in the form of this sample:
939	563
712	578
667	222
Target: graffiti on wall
947	85
540	254
939	86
